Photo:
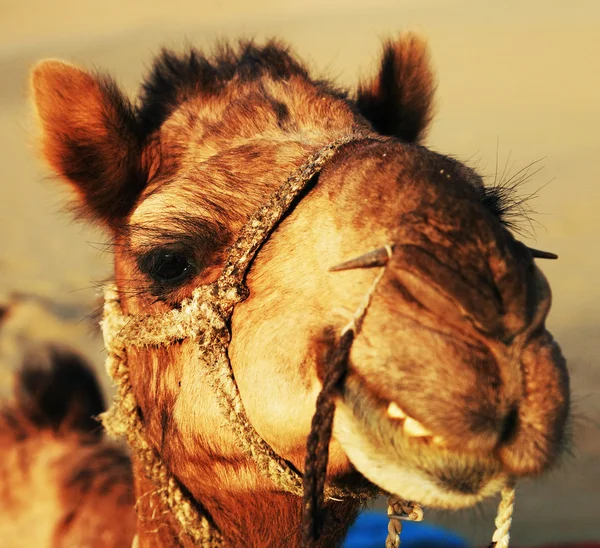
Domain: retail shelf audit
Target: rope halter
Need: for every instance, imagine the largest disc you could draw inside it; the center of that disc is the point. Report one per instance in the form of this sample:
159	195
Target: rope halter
205	318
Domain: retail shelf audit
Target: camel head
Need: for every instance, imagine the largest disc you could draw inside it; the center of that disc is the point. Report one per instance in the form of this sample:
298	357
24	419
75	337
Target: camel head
453	384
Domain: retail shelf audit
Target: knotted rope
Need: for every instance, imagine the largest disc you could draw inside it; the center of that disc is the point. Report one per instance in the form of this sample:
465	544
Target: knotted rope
398	511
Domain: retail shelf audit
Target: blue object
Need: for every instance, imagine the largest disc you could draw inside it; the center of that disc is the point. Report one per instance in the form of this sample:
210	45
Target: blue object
370	531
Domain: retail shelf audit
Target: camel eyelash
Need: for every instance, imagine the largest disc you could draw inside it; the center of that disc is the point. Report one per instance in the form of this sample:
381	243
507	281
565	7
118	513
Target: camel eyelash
508	200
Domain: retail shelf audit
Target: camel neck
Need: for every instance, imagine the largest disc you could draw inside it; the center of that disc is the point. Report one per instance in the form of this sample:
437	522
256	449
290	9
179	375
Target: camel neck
250	518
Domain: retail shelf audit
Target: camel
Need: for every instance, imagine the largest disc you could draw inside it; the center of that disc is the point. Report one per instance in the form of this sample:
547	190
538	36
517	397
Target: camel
452	386
52	446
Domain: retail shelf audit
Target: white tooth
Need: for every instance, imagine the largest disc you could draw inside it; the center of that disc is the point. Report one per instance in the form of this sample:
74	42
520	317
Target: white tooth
394	411
439	440
415	429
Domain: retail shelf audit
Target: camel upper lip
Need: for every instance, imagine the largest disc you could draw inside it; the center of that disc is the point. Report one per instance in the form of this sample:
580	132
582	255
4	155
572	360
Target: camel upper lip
514	427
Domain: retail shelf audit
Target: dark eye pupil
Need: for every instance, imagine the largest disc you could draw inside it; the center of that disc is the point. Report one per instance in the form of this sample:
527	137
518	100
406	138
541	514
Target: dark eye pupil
170	267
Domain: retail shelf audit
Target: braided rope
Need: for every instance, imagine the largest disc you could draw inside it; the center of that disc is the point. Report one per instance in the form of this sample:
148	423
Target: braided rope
317	445
501	536
123	420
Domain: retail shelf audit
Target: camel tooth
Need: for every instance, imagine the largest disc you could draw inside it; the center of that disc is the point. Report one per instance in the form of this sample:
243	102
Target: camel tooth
394	411
439	440
414	429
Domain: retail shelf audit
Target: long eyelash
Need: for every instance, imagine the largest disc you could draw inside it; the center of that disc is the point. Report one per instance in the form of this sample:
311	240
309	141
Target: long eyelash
505	198
104	247
139	285
188	230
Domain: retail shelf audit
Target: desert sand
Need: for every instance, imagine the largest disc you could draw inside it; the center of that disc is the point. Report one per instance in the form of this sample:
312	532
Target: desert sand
518	83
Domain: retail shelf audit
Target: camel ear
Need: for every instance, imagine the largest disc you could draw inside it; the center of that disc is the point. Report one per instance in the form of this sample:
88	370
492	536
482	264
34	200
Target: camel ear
89	137
398	100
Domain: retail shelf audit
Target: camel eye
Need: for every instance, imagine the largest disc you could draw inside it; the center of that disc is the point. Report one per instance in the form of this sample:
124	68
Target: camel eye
167	267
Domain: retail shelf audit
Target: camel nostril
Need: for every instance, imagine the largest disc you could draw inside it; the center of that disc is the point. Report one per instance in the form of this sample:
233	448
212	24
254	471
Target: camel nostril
509	427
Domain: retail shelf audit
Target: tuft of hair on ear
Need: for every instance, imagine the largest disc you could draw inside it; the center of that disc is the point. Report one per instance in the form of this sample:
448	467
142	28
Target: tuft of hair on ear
398	100
89	137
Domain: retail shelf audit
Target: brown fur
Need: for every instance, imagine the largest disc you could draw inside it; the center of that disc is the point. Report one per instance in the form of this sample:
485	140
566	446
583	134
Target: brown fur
454	328
398	100
62	485
92	140
258	518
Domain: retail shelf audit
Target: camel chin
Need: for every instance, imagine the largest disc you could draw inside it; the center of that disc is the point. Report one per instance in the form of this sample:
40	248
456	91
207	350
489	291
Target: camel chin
381	460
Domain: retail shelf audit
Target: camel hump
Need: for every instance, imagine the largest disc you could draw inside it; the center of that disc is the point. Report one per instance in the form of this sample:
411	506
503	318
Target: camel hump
56	388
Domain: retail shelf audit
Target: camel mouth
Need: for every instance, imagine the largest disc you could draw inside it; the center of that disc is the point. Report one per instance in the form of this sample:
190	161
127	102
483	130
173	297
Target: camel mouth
411	428
401	455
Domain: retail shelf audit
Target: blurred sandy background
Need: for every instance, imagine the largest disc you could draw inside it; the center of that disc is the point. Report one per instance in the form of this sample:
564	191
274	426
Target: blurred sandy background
517	80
